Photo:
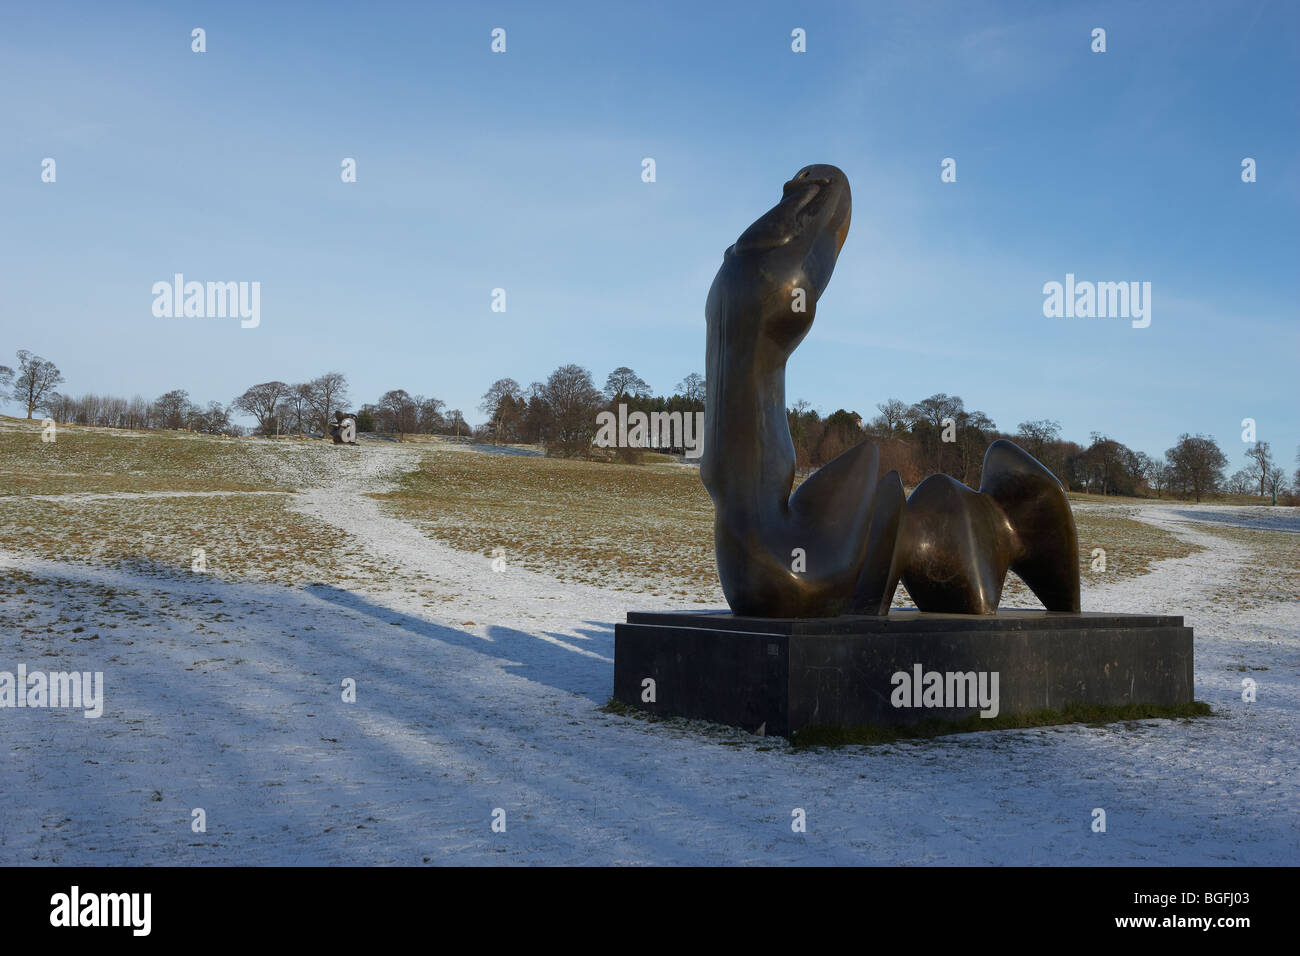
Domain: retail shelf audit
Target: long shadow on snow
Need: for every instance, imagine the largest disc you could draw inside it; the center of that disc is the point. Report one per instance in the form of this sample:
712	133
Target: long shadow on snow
1282	520
256	735
267	723
547	658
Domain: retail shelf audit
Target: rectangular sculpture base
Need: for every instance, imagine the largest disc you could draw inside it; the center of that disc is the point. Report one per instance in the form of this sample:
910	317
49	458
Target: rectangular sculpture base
785	674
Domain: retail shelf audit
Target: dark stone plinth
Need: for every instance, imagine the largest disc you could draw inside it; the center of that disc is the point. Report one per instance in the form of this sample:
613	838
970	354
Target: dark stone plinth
788	674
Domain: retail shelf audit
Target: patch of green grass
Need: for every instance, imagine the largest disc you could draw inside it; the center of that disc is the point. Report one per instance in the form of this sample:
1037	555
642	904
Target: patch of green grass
836	736
616	706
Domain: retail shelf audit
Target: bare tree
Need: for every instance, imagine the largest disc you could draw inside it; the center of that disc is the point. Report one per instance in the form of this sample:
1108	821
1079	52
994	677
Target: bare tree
399	411
173	409
138	413
1104	459
263	403
538	421
1162	475
622	382
974	432
499	389
214	420
1241	482
895	416
573	400
36	378
329	393
1261	462
930	415
62	408
1143	468
297	407
1035	436
430	418
1198	464
693	387
501	402
1276	480
936	408
282	417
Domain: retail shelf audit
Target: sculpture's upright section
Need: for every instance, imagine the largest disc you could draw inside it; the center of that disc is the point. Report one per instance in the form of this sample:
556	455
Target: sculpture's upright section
779	555
843	541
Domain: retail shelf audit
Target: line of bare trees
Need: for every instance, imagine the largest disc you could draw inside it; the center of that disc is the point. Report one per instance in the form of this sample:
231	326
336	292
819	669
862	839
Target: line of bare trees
308	407
172	410
938	434
34	386
278	408
303	408
935	434
401	413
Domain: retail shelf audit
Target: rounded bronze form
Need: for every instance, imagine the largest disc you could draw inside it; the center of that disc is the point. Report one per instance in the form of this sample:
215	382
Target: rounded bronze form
843	540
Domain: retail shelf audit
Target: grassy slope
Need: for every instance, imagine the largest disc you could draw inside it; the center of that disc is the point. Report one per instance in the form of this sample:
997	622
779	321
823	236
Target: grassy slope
623	526
650	528
245	536
646	529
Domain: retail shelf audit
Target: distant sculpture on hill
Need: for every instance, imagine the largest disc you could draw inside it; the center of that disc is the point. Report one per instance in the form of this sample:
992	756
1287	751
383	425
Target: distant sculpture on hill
344	429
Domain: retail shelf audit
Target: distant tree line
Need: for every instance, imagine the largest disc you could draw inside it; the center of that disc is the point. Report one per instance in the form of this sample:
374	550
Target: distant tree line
400	413
172	410
561	413
303	408
938	434
278	408
935	434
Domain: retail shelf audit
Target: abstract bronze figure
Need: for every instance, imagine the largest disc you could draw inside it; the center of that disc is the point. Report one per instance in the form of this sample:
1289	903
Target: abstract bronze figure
343	429
843	541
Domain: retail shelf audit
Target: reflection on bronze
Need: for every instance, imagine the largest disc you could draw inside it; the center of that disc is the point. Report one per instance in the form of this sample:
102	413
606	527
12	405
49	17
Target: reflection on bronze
959	544
844	540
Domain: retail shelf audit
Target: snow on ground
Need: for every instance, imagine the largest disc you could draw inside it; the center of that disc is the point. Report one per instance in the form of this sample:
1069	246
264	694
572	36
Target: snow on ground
226	696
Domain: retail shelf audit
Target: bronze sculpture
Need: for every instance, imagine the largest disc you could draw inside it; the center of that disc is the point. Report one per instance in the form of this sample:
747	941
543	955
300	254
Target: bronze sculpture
843	541
343	429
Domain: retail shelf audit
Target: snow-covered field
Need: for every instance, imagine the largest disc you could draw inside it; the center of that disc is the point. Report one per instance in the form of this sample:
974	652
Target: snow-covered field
479	689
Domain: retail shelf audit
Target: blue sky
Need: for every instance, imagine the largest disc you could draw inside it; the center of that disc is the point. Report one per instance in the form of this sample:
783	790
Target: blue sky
522	171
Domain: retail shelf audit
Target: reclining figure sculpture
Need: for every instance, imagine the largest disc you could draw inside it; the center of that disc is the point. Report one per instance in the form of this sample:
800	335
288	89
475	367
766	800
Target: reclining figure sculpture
852	536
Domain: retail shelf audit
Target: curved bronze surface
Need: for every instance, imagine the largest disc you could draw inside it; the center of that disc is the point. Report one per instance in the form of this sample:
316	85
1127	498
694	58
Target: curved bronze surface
843	541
